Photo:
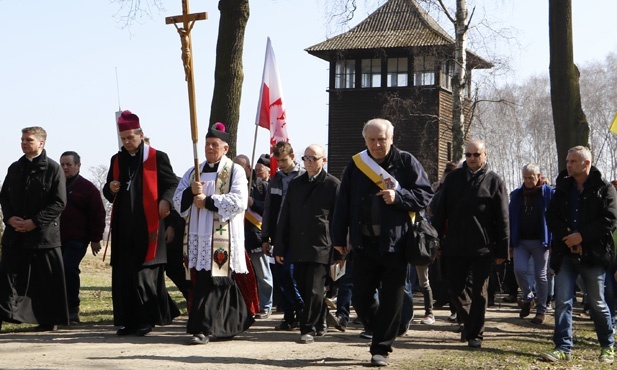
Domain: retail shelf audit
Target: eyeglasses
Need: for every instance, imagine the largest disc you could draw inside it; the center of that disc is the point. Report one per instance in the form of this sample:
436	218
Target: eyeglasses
311	158
474	154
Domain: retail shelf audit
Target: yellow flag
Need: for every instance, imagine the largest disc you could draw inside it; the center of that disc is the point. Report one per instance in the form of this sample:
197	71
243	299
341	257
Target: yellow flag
613	127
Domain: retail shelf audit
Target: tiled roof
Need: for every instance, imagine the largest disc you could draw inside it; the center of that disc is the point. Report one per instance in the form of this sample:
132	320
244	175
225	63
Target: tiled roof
396	24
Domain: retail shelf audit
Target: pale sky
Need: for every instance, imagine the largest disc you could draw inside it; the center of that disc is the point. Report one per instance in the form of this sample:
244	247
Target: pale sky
59	61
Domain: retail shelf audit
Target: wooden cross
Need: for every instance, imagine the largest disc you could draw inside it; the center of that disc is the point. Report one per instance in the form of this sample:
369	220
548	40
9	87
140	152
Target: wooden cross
188	21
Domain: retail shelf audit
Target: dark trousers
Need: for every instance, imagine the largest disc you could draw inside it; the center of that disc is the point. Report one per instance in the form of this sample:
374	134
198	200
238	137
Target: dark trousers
174	269
471	308
386	272
72	254
285	284
311	281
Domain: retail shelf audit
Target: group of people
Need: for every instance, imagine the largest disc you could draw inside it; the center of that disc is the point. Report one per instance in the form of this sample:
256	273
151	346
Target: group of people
249	239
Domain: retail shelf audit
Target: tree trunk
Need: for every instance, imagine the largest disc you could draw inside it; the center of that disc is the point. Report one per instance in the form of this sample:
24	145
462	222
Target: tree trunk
459	81
229	75
571	126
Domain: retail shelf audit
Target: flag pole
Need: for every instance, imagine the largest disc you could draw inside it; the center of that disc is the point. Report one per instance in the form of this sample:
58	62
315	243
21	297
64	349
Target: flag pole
253	160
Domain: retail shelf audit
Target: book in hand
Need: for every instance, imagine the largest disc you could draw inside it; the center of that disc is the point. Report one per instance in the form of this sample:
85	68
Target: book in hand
336	270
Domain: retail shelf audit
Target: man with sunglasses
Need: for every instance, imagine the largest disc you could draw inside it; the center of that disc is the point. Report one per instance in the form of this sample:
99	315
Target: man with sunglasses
303	237
471	215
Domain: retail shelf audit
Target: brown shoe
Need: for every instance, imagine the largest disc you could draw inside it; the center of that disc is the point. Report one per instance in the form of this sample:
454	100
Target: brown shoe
538	320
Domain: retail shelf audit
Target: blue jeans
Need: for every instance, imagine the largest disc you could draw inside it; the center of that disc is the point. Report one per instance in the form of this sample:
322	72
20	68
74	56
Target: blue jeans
522	253
407	309
265	283
345	286
72	254
291	301
593	277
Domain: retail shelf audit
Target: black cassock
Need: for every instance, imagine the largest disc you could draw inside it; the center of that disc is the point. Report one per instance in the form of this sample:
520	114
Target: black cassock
138	287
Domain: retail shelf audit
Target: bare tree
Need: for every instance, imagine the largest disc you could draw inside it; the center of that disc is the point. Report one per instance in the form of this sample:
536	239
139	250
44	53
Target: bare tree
461	22
571	126
99	179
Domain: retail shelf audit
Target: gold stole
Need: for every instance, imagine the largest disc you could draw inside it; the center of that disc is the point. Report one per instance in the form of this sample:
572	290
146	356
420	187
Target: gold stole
221	248
377	174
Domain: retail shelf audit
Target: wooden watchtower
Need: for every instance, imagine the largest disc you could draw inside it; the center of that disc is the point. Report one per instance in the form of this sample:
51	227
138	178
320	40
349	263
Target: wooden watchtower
396	64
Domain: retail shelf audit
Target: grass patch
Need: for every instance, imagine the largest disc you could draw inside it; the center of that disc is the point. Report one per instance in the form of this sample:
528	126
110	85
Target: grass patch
522	351
95	294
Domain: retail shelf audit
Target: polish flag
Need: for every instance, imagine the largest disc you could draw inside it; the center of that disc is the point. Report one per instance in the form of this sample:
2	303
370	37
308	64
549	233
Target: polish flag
270	110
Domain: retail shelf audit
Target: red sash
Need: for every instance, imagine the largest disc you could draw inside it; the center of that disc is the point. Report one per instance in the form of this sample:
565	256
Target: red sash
150	195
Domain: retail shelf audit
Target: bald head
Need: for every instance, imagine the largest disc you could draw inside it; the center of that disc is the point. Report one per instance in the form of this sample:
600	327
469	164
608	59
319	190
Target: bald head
475	154
314	158
245	163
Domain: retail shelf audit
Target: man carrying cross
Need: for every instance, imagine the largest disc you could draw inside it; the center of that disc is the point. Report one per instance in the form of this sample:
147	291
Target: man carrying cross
215	208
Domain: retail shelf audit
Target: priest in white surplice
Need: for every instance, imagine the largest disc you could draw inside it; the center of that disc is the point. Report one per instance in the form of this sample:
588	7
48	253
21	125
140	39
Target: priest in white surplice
215	210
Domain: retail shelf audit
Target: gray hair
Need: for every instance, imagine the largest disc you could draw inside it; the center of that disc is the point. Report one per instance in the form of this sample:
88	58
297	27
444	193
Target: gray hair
382	123
582	150
531	167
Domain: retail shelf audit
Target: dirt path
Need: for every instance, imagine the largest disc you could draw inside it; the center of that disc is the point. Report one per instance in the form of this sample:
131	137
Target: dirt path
97	346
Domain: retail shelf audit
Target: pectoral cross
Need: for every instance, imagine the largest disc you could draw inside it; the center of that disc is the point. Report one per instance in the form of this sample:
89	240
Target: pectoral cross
188	21
220	229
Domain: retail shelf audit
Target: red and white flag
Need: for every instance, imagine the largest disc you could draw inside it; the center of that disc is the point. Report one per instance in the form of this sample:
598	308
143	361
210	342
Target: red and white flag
271	111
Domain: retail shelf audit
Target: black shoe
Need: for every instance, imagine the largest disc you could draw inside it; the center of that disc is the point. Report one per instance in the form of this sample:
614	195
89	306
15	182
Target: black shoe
199	338
285	326
46	328
366	334
510	298
125	330
143	330
379	360
321	332
526	308
341	324
474	343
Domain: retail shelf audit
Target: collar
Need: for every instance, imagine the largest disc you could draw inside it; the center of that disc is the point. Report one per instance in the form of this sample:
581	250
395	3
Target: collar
313	178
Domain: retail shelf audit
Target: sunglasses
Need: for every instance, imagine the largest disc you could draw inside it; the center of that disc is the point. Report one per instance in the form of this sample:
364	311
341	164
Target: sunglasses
311	158
474	154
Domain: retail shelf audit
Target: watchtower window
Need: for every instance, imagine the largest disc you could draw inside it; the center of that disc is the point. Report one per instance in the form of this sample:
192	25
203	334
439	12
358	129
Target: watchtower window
345	74
424	71
446	74
371	72
398	73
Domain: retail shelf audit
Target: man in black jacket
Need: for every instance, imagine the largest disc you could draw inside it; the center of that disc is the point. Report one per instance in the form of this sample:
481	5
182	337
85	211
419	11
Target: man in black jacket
375	215
582	216
141	185
32	287
471	215
303	237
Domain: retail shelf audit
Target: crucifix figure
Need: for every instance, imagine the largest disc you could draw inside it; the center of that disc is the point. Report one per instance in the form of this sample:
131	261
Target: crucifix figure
188	21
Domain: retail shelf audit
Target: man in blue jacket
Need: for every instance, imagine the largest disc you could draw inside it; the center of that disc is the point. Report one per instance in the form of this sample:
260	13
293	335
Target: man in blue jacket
530	238
376	216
